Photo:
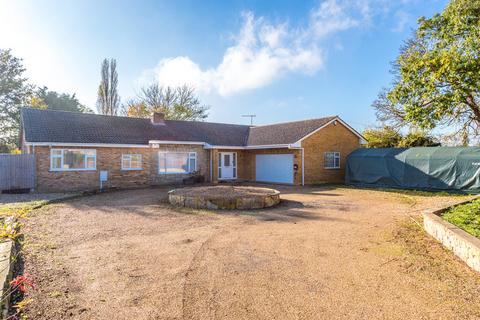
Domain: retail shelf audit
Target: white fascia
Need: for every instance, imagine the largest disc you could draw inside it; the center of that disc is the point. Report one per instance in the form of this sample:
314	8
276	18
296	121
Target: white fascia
295	145
209	146
75	144
270	146
176	142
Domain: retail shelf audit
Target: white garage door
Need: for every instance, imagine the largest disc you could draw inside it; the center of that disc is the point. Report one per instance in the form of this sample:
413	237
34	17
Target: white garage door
276	168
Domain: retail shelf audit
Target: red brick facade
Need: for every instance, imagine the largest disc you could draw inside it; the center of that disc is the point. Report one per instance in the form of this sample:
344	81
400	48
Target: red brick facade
334	137
109	159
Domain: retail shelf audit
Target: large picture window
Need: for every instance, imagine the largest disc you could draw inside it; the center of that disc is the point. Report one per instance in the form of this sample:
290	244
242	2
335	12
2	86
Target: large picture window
131	162
177	162
332	160
73	159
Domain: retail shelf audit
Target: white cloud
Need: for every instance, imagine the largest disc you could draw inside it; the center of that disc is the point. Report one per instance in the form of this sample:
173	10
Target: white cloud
403	19
330	17
262	51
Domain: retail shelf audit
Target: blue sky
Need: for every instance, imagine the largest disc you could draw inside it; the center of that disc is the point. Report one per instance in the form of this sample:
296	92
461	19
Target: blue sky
280	60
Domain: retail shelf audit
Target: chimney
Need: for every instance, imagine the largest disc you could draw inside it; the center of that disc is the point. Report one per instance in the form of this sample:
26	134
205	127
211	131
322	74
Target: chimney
158	118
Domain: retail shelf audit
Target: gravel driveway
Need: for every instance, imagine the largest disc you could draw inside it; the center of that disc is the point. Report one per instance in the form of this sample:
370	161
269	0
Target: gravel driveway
324	253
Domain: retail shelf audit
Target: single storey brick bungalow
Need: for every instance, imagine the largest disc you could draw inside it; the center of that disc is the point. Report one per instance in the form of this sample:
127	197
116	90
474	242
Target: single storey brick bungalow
78	151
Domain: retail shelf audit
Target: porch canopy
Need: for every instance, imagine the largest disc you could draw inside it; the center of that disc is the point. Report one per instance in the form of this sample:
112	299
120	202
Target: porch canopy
423	168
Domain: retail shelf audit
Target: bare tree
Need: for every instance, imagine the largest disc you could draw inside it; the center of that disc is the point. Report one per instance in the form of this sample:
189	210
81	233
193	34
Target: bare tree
108	100
179	103
157	98
135	108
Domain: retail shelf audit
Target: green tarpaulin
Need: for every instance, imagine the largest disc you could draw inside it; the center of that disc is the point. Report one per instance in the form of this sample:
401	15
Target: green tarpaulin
422	168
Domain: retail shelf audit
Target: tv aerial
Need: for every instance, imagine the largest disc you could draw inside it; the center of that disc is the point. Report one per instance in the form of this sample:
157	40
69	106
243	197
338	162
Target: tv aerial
251	116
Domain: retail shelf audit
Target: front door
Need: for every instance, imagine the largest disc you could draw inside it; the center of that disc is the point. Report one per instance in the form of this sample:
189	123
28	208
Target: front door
227	165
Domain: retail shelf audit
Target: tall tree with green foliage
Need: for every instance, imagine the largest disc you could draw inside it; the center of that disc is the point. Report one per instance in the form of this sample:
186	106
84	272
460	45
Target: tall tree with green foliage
385	137
437	75
108	100
388	137
14	93
51	100
418	138
179	103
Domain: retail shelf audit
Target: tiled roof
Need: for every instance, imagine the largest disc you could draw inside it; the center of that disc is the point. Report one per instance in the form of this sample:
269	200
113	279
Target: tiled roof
284	133
70	127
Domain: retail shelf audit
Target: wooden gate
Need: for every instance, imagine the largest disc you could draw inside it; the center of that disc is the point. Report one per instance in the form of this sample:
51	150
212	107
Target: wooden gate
17	171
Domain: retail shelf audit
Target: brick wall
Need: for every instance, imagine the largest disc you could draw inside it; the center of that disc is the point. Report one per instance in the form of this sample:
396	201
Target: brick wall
109	159
331	138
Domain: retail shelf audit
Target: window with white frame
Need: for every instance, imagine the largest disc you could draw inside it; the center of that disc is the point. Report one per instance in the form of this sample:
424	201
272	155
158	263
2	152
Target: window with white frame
332	160
131	162
177	162
73	159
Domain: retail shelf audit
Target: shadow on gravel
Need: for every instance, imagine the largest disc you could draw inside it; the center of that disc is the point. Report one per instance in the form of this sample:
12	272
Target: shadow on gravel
316	204
287	211
153	204
292	216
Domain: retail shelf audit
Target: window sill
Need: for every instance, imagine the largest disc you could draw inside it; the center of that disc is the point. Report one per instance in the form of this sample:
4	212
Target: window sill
332	168
140	169
174	173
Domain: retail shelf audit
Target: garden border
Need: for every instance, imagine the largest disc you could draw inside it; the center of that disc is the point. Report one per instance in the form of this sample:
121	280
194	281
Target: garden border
8	251
461	243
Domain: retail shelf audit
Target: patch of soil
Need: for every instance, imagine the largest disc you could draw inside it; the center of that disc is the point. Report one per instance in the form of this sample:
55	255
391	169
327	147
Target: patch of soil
224	192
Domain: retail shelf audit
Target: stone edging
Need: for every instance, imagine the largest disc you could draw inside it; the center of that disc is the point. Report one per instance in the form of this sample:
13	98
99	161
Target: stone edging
7	253
240	203
6	271
464	245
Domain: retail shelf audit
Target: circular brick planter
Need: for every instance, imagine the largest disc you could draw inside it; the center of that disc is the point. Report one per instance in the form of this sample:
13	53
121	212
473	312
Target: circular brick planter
224	197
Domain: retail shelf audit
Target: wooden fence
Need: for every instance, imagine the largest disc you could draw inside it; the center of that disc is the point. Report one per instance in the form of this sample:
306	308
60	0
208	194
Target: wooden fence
17	171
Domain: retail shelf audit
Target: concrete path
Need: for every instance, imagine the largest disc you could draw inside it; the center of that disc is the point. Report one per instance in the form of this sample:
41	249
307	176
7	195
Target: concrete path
21	198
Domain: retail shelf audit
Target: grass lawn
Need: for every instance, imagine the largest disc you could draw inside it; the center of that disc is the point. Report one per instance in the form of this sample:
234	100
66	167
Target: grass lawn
466	217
